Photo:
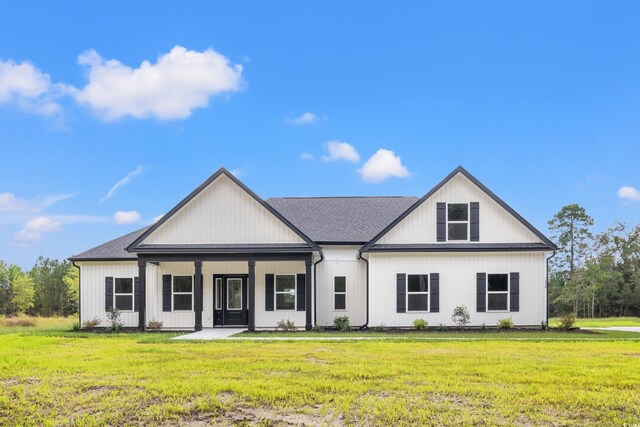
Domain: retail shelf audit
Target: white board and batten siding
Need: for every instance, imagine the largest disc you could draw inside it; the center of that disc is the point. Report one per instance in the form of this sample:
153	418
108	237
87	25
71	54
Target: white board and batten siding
341	261
496	224
457	273
223	213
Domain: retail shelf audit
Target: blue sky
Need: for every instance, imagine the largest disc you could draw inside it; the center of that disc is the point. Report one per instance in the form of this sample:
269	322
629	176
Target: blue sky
540	101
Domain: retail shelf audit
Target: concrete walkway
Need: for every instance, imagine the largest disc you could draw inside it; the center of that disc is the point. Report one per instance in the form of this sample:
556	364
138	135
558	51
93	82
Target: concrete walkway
619	328
211	334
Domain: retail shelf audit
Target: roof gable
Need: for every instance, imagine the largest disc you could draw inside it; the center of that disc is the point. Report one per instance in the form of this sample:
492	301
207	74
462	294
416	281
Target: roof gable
498	221
221	211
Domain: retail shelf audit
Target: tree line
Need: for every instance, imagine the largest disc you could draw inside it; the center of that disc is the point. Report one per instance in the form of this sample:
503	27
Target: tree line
50	288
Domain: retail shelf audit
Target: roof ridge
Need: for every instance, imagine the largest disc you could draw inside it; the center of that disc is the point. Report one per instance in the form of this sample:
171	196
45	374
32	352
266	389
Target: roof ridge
341	197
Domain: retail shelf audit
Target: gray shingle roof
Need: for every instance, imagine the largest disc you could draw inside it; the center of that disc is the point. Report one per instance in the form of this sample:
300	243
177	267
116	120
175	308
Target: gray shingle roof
341	219
113	249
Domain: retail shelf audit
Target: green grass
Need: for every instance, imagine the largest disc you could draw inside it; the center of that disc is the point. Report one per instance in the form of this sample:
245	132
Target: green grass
62	378
603	322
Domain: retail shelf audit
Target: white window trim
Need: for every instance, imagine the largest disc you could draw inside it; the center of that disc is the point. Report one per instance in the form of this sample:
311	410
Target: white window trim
181	293
275	292
508	292
217	286
468	221
241	294
340	293
132	294
406	281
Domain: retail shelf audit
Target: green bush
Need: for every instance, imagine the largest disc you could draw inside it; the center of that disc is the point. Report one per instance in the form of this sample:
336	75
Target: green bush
113	314
381	328
341	323
286	325
318	328
544	325
442	327
420	324
76	326
566	322
461	316
483	327
506	324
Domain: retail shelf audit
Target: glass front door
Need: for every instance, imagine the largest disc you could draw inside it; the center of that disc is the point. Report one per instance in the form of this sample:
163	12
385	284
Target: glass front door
230	300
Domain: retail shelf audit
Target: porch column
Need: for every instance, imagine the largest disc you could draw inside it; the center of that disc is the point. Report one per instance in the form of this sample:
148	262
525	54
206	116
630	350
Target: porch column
307	294
197	294
252	296
142	286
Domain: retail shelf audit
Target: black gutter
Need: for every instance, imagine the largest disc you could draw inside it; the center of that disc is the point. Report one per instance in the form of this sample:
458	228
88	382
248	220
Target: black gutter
366	323
315	287
548	259
79	292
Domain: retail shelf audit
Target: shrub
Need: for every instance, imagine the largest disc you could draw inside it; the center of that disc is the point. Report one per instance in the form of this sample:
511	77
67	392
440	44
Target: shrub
154	325
91	324
442	327
19	321
566	322
76	326
318	328
461	316
506	324
113	314
544	325
381	328
341	323
286	325
420	324
483	327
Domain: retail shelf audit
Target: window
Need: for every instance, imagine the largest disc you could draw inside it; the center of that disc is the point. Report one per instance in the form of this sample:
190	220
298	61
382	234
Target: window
285	292
234	294
497	292
182	293
218	293
417	292
339	293
458	221
123	293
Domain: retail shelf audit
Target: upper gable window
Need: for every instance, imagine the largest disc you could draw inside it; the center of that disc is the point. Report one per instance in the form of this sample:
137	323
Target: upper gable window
457	221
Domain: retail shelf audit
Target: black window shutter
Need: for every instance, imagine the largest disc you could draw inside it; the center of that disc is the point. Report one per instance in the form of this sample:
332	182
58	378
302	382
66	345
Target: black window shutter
434	292
474	223
441	220
166	292
108	293
481	298
401	292
515	292
136	294
269	292
300	288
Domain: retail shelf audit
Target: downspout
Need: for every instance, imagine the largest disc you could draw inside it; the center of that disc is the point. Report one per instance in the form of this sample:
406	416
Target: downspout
548	259
366	323
315	286
79	290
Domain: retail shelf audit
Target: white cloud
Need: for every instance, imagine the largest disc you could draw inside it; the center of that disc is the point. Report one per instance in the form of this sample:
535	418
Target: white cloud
24	237
179	82
9	203
307	156
29	88
122	182
304	119
126	217
42	224
382	165
341	151
629	193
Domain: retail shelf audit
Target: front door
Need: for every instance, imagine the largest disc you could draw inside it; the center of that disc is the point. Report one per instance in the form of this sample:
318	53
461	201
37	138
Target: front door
230	300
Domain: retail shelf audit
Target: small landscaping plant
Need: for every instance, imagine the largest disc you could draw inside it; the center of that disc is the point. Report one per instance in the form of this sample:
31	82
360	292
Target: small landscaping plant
286	325
461	316
420	324
442	327
318	328
544	325
566	322
483	327
506	324
341	323
91	324
113	315
76	326
154	325
381	328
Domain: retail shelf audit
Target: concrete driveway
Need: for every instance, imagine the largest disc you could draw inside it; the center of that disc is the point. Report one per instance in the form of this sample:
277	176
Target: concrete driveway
619	328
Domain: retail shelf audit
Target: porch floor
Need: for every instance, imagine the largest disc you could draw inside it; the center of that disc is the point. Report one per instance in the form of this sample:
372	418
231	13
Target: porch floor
211	334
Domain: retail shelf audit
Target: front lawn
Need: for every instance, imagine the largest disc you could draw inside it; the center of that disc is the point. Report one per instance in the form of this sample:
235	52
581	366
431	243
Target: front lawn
59	378
603	322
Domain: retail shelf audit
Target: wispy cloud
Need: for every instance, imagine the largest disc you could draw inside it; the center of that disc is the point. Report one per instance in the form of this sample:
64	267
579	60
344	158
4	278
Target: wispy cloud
124	181
10	203
341	151
382	165
303	119
126	217
307	156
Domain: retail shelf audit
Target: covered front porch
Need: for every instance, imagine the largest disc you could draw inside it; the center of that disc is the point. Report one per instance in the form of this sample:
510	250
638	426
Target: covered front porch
232	289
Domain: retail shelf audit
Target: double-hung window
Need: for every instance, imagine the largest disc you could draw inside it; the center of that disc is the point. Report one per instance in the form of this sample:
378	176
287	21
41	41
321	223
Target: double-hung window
182	293
417	292
285	291
339	293
123	293
497	292
457	221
